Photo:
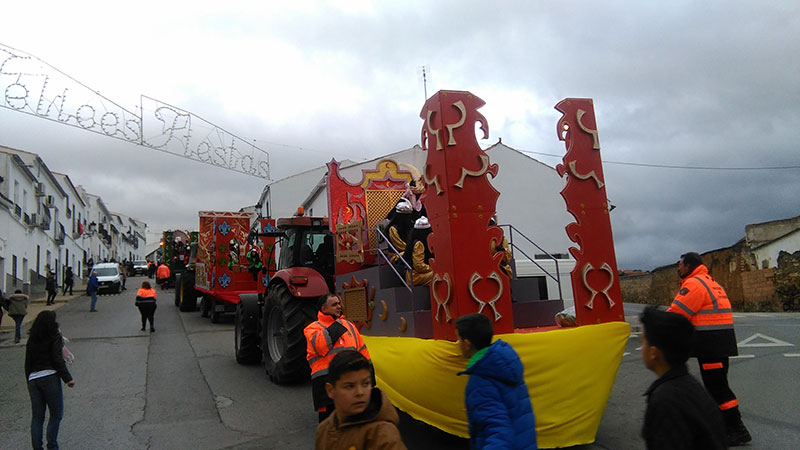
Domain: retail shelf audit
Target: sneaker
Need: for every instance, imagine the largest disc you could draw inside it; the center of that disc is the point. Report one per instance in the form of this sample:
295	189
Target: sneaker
152	330
16	340
738	436
142	328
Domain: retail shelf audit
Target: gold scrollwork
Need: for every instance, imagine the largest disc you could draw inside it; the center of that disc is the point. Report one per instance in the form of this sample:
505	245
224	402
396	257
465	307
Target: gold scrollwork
460	105
442	304
434	181
589	175
473	173
435	133
403	324
473	279
588	268
385	313
596	139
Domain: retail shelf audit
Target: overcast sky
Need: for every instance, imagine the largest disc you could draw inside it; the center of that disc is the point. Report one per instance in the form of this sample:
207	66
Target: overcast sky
690	84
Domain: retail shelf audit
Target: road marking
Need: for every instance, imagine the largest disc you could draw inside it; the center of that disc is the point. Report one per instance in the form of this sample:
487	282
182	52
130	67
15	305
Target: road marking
772	342
639	347
792	355
626	353
743	356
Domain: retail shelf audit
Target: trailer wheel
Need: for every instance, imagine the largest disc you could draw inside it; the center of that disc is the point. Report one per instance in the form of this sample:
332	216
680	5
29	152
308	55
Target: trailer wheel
215	315
177	290
187	295
205	306
246	342
282	340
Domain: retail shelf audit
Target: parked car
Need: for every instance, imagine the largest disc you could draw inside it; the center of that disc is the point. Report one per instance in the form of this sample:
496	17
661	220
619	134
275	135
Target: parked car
140	267
109	277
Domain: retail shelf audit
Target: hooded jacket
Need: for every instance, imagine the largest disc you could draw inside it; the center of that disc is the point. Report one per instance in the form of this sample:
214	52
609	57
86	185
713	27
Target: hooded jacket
499	409
374	428
18	304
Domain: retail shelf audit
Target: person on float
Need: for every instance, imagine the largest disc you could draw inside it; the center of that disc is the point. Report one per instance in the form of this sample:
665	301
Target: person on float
414	191
330	334
418	254
399	229
703	301
505	263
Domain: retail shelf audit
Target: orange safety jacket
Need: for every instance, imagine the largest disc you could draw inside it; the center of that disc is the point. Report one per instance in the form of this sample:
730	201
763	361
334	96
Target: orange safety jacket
704	302
145	296
320	350
162	271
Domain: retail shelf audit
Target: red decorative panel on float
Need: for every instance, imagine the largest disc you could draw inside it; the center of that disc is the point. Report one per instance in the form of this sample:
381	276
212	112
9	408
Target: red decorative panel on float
595	283
460	202
364	204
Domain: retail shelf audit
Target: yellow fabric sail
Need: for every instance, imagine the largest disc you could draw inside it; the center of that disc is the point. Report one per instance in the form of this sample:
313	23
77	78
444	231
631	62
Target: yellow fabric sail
569	373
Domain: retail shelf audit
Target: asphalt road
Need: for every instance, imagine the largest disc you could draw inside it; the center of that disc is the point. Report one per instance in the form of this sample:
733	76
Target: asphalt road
181	387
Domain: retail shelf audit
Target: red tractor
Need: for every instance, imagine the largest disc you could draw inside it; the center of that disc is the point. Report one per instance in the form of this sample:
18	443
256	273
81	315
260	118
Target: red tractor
271	324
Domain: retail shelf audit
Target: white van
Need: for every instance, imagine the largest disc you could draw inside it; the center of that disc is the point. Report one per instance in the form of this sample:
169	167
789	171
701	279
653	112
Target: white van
108	277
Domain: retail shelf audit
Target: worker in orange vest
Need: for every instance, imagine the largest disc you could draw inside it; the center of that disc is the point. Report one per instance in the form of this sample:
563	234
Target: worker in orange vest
162	275
330	334
706	305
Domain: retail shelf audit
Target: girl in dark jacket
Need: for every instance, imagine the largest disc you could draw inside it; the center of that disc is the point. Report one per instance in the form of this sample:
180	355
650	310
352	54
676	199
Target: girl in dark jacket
45	369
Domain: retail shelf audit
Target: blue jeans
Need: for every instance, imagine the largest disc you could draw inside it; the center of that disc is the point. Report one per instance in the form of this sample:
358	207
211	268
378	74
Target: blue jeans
18	330
94	299
46	392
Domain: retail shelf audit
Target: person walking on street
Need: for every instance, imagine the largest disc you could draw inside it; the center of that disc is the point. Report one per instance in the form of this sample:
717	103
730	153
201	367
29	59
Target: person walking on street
680	413
17	308
91	289
706	305
329	334
499	410
162	275
51	288
146	302
69	281
45	369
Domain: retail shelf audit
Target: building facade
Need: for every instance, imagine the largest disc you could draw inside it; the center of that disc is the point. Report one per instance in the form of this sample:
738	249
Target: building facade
46	225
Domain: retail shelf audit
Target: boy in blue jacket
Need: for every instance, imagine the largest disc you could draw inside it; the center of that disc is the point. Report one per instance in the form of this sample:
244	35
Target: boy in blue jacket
499	409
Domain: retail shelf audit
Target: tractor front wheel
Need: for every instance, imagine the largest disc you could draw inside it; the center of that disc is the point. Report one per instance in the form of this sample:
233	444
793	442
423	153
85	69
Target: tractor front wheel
282	340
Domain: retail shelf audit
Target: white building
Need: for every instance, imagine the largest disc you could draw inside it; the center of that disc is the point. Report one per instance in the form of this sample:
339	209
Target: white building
46	224
530	201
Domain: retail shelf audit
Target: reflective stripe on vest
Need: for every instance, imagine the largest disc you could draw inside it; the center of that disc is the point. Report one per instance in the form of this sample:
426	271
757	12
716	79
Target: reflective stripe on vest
715	318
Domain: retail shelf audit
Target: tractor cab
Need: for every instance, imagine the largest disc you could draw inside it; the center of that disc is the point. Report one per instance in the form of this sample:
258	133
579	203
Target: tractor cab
306	242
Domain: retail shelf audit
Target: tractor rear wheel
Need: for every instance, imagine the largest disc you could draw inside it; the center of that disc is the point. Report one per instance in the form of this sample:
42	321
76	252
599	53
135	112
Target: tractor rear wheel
282	340
187	295
215	315
245	333
205	306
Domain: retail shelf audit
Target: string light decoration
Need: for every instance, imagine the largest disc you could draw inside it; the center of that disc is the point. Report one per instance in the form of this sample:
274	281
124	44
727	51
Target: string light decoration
31	86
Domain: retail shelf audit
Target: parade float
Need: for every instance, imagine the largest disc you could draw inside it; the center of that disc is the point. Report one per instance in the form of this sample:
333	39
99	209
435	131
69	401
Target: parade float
409	329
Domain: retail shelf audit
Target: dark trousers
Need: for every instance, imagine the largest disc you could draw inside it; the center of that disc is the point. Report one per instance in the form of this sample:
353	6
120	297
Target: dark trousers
147	310
51	296
46	392
67	287
714	372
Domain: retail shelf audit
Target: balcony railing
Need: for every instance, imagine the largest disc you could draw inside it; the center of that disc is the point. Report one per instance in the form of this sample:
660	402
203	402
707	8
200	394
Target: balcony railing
18	211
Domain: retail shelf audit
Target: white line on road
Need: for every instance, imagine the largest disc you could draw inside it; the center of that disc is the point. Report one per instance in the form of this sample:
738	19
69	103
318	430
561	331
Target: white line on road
792	355
743	356
639	347
626	353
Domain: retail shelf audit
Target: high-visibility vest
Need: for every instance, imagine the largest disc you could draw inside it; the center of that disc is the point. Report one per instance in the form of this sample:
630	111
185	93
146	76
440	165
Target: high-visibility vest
319	348
704	302
162	271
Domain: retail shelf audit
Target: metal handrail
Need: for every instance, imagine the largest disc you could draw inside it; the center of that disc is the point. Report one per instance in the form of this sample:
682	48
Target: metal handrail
556	278
388	262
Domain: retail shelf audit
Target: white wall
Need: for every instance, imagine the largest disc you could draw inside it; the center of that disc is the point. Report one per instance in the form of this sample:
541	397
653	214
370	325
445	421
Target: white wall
789	243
